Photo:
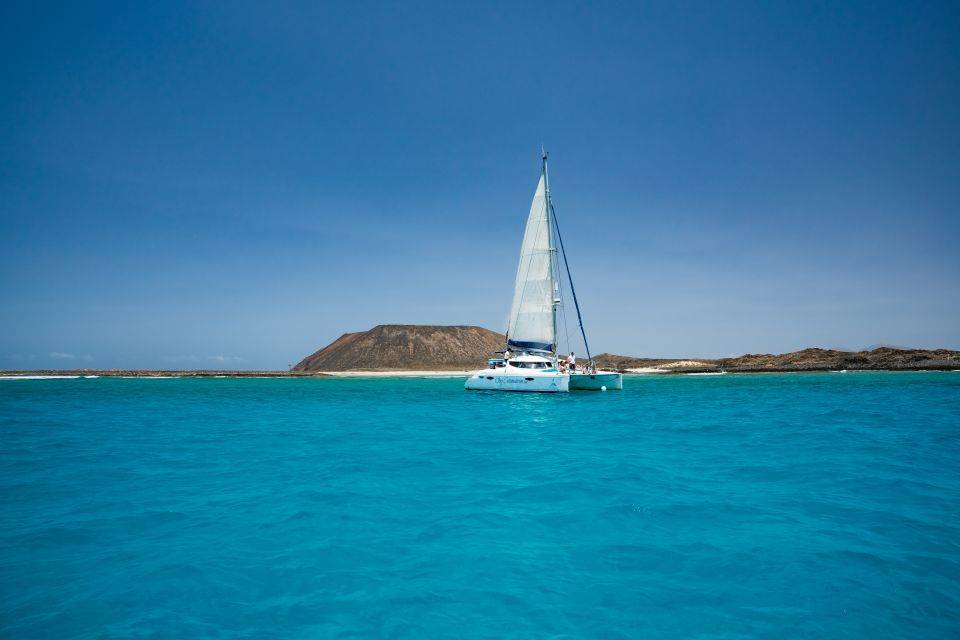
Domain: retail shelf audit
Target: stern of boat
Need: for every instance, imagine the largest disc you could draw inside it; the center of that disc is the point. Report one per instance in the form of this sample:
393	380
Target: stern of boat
599	381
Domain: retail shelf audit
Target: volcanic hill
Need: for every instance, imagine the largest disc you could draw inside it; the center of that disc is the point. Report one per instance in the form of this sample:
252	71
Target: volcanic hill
406	346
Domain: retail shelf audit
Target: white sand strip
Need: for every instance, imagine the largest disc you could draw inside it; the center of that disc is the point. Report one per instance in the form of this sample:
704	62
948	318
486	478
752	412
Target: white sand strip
684	364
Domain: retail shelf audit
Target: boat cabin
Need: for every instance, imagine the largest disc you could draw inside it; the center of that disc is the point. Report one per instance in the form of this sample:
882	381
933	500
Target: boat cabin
527	361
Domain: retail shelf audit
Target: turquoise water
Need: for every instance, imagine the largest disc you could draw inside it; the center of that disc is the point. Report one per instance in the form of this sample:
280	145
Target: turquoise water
738	506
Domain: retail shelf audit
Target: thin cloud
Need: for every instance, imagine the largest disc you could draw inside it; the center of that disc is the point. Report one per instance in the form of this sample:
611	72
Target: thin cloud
194	359
182	358
61	355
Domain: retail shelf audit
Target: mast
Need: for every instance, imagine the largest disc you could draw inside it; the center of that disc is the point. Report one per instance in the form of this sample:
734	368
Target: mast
553	217
553	251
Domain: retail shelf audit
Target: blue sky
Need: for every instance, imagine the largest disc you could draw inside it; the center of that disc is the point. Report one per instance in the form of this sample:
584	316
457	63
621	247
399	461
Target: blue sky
200	185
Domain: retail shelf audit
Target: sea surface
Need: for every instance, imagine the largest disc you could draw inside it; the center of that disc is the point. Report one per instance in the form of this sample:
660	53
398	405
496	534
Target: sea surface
733	506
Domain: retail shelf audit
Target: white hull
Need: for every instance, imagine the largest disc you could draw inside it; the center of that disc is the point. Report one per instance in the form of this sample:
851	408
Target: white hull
517	380
599	381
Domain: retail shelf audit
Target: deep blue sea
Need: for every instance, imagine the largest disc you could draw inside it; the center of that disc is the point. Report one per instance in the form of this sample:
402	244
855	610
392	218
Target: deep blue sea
736	506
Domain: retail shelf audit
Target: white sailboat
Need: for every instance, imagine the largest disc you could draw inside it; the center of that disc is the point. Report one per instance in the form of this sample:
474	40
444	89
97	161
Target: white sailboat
531	361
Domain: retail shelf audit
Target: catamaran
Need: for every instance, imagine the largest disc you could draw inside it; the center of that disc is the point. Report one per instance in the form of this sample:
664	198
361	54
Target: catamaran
531	361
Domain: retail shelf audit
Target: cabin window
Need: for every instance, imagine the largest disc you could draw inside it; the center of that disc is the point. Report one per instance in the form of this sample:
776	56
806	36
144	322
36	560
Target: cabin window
529	365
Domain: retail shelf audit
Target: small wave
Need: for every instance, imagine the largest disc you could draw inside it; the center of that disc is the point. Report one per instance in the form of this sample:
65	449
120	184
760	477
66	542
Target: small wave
91	376
709	373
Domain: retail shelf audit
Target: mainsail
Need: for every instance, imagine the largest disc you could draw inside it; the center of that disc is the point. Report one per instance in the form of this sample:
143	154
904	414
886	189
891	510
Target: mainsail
531	324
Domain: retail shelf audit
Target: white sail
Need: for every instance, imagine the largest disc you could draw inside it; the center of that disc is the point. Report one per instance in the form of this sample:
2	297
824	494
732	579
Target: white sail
531	323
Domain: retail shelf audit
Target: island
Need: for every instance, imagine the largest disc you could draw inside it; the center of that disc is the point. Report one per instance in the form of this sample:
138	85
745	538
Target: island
407	349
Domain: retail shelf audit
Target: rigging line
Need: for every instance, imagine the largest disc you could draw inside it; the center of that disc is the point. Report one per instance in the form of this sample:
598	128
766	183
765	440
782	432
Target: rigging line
570	277
563	312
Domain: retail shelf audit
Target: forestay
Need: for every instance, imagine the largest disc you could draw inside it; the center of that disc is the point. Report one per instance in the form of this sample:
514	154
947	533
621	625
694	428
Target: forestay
531	324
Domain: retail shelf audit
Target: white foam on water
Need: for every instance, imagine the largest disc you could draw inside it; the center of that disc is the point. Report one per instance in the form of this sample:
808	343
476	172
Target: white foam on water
91	376
708	373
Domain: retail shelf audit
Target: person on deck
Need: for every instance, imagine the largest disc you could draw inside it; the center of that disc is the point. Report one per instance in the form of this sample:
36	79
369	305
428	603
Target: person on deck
572	361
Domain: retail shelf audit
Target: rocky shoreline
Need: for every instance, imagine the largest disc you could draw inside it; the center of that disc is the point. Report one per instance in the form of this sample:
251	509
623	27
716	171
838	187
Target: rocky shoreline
814	359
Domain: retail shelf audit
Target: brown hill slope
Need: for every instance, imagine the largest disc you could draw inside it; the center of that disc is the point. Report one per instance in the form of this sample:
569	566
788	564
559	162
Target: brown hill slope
829	359
814	359
406	346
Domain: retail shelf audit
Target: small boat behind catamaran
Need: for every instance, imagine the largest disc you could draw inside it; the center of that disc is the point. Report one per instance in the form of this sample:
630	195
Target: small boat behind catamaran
531	361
